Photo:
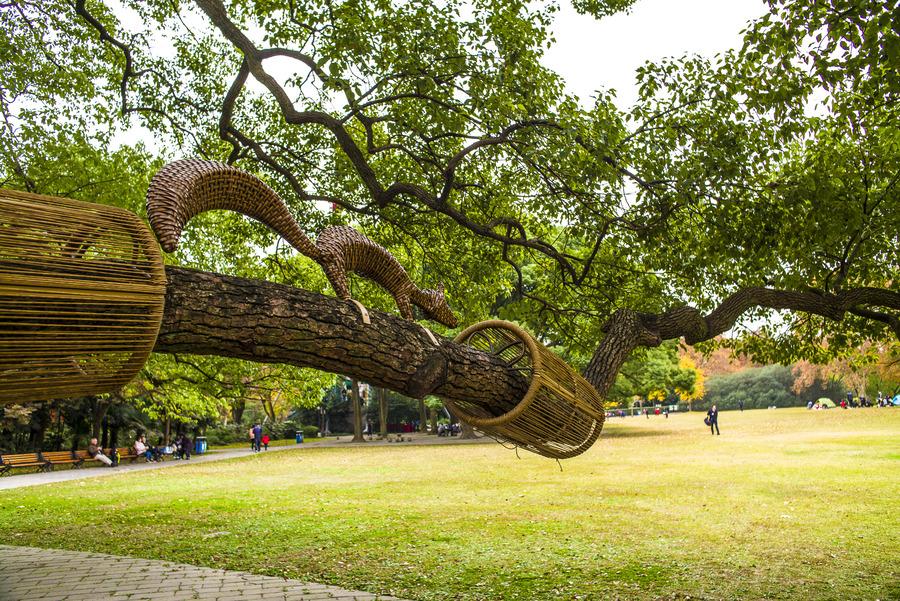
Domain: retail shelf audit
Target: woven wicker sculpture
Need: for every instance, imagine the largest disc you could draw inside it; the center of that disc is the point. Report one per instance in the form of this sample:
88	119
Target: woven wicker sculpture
82	288
561	414
184	189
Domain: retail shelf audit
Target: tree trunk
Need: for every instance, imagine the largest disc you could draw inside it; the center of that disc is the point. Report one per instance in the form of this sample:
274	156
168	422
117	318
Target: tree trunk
58	445
382	412
433	413
237	410
104	439
357	412
268	408
167	431
40	420
467	432
97	414
423	416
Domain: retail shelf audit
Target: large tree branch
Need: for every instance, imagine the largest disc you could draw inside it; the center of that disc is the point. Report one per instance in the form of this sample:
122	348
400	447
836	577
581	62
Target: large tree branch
260	321
211	314
689	323
627	330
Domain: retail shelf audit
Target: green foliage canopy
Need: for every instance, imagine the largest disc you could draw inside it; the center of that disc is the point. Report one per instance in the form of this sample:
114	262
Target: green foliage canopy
437	129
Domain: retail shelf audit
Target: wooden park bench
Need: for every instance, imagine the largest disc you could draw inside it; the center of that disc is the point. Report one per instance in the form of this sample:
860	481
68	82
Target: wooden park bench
83	455
123	452
55	458
9	461
127	453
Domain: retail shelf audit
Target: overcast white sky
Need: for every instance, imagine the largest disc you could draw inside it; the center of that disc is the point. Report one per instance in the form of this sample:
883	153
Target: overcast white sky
591	54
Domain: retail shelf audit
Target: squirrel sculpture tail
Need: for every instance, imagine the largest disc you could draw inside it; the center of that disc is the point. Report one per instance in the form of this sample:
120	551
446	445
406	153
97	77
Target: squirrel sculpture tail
186	188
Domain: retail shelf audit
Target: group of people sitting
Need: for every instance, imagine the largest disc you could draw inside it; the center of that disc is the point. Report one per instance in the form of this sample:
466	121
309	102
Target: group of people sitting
448	429
180	449
851	402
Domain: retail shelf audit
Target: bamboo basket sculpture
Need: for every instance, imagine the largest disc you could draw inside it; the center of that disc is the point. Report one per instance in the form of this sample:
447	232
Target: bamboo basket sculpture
561	414
82	288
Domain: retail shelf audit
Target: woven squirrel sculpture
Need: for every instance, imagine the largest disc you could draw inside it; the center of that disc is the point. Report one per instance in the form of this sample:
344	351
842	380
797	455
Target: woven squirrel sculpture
186	188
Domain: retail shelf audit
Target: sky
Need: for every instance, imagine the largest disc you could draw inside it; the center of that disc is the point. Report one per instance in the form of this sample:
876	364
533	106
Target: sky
591	54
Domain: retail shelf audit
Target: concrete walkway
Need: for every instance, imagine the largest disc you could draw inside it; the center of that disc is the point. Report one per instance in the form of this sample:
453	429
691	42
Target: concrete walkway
64	474
33	574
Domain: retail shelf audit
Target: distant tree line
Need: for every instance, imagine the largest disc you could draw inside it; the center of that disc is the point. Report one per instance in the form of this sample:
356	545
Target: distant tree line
761	387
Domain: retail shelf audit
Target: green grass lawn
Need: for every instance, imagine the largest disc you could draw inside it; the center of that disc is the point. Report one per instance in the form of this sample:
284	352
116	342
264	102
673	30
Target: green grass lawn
785	504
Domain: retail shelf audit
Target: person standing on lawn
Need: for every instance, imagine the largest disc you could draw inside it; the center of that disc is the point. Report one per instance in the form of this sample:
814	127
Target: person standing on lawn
713	416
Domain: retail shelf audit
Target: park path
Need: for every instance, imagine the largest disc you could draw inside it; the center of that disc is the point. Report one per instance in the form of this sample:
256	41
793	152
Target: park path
63	475
33	574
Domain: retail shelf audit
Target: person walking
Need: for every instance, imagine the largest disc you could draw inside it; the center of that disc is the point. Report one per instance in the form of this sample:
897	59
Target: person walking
741	405
265	441
257	437
713	416
185	444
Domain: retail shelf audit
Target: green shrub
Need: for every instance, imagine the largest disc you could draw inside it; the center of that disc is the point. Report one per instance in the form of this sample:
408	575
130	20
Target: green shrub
758	388
222	435
286	430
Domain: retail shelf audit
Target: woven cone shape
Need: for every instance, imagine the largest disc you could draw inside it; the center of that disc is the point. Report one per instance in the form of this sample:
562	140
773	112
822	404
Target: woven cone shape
82	288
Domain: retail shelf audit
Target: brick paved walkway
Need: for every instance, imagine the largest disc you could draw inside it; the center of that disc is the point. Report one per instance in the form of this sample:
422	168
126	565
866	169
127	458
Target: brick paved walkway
33	574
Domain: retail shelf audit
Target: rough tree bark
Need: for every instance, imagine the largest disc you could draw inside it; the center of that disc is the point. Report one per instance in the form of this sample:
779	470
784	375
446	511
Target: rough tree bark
466	432
432	416
214	314
423	416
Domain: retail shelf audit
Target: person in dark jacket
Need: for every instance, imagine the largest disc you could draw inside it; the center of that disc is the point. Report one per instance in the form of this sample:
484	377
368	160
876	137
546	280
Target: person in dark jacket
184	446
95	452
257	437
713	416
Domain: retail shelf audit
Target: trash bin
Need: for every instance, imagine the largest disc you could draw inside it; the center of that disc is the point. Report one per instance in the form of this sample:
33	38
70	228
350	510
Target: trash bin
299	436
200	445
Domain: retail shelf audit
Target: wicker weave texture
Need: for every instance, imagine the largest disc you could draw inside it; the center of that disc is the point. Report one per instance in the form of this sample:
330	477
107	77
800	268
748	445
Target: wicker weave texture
186	188
82	288
561	414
